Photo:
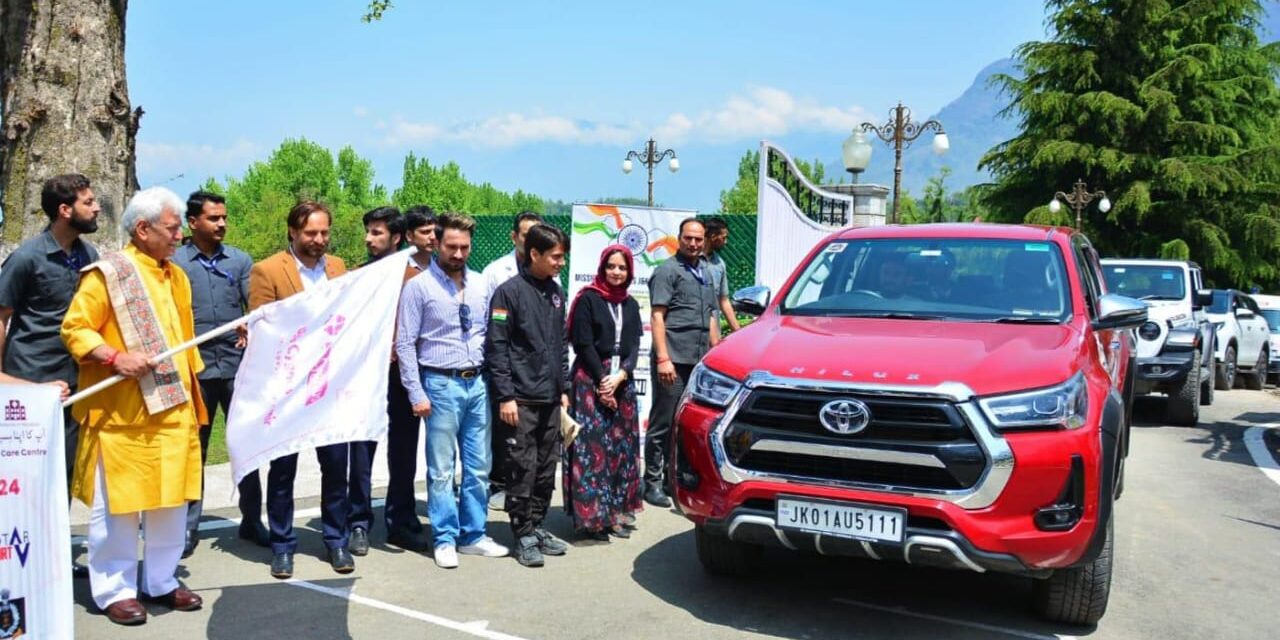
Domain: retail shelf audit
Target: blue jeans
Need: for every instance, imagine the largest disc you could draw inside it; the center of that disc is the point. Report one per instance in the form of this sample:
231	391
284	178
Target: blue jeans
459	419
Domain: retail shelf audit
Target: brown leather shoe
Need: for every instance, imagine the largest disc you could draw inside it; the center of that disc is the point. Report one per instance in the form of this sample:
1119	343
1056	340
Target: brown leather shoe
180	599
126	612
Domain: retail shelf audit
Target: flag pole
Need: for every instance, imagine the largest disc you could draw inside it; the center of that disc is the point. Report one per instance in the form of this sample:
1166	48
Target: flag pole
194	342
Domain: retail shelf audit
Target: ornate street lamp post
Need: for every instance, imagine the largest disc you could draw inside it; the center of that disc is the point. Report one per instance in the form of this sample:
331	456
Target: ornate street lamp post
651	157
1078	199
900	132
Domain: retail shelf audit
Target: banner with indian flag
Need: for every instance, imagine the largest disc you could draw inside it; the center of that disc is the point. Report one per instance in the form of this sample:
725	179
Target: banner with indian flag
652	236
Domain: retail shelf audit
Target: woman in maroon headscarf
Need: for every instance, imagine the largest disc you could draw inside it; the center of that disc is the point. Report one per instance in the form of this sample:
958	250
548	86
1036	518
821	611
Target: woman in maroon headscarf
601	466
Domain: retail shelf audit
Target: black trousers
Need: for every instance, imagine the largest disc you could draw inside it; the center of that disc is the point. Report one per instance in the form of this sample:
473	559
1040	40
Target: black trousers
217	393
657	439
402	457
497	450
71	443
532	450
333	498
360	484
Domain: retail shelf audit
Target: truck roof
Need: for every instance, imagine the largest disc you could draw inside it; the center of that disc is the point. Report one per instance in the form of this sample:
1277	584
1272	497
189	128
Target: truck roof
1028	232
1151	261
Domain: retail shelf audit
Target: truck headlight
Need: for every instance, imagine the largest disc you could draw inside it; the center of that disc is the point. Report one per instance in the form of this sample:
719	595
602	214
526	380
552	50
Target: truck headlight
1149	331
712	388
1062	406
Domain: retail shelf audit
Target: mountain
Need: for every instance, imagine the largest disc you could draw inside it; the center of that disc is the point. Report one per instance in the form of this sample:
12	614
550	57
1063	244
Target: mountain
973	126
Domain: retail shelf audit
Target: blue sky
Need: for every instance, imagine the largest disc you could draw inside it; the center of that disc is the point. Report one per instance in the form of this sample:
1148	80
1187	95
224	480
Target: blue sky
546	96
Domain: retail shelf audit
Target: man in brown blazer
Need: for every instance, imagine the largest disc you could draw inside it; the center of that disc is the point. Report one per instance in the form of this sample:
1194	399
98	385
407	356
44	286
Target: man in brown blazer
301	267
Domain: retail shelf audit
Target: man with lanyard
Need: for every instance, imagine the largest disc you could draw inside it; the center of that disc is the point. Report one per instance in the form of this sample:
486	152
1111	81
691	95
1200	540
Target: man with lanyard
440	348
37	282
717	237
219	277
304	265
683	298
404	530
498	272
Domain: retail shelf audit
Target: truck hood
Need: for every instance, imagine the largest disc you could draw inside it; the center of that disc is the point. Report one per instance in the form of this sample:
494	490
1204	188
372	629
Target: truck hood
988	358
1173	310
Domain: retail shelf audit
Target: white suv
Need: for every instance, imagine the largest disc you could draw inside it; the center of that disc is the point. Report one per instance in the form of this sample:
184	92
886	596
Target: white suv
1174	353
1243	340
1270	306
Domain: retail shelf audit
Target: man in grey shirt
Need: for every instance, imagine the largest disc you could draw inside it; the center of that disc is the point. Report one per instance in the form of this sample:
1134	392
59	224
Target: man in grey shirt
37	282
219	277
683	292
717	237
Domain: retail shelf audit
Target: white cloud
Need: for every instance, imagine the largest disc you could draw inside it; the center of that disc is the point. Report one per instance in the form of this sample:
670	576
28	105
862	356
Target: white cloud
509	130
360	112
761	112
162	161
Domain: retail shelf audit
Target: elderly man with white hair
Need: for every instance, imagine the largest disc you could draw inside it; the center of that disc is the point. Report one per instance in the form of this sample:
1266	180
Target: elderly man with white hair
139	456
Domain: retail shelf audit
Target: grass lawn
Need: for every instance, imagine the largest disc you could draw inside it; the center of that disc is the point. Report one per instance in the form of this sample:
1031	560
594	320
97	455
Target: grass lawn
218	441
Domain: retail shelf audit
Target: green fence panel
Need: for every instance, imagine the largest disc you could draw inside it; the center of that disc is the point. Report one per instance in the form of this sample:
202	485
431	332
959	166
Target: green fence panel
492	240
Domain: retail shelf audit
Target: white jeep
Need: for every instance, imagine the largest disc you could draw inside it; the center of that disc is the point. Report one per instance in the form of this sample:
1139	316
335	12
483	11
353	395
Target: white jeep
1175	346
1243	336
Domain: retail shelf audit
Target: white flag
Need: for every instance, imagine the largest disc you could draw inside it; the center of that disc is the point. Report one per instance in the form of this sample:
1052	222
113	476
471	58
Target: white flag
315	370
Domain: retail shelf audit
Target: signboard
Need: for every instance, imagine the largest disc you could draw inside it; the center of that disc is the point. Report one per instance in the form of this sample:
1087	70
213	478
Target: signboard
652	236
35	548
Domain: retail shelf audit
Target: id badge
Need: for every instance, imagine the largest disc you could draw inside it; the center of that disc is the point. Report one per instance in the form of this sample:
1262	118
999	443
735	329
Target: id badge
614	363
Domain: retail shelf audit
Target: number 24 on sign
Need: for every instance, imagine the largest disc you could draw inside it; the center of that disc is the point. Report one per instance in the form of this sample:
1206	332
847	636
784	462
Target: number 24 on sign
9	487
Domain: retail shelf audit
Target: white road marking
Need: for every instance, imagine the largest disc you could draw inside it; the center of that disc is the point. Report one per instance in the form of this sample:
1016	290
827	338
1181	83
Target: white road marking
902	611
1253	440
477	628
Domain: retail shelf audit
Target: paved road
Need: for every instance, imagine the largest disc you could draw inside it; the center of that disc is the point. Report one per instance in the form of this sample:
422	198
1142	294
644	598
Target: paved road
1197	555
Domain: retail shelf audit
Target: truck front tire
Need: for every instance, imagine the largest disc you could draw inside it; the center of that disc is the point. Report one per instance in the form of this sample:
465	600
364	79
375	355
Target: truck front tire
1078	595
1183	408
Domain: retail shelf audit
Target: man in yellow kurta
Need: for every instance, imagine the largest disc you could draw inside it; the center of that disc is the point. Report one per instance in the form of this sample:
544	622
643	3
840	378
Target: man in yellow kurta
139	456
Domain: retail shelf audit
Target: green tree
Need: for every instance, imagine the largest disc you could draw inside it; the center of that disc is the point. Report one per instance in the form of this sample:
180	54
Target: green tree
259	201
743	195
1171	107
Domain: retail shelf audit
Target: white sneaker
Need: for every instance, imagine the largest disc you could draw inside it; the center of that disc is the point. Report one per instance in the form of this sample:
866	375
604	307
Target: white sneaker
446	556
484	547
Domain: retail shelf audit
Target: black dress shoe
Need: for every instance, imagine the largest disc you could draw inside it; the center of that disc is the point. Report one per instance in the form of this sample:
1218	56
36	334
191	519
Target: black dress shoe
282	566
341	561
253	531
359	542
408	539
79	571
193	539
593	535
656	497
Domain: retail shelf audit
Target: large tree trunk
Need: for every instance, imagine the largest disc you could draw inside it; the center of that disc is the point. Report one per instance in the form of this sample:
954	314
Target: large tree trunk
66	110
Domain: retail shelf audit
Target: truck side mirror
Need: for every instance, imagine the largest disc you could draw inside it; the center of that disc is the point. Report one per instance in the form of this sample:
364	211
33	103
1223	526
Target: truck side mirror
1201	298
751	300
1119	312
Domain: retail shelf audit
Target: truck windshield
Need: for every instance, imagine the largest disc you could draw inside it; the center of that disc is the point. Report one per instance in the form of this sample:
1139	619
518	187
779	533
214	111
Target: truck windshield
1273	319
982	280
1145	282
1221	302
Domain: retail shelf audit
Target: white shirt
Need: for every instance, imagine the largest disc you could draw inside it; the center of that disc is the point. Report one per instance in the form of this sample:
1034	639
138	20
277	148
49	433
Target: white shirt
312	276
498	272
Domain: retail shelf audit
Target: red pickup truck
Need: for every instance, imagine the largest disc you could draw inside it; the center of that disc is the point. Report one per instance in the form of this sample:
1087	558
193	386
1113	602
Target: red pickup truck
945	395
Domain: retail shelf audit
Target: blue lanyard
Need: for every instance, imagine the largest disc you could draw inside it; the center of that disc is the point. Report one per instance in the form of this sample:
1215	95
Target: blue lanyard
696	273
75	260
211	265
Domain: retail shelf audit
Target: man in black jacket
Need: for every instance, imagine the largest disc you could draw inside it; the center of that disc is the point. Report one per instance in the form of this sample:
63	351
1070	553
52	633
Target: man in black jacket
528	359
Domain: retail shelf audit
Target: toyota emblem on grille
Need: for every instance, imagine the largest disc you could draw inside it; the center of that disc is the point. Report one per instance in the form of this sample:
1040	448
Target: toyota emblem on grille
845	417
